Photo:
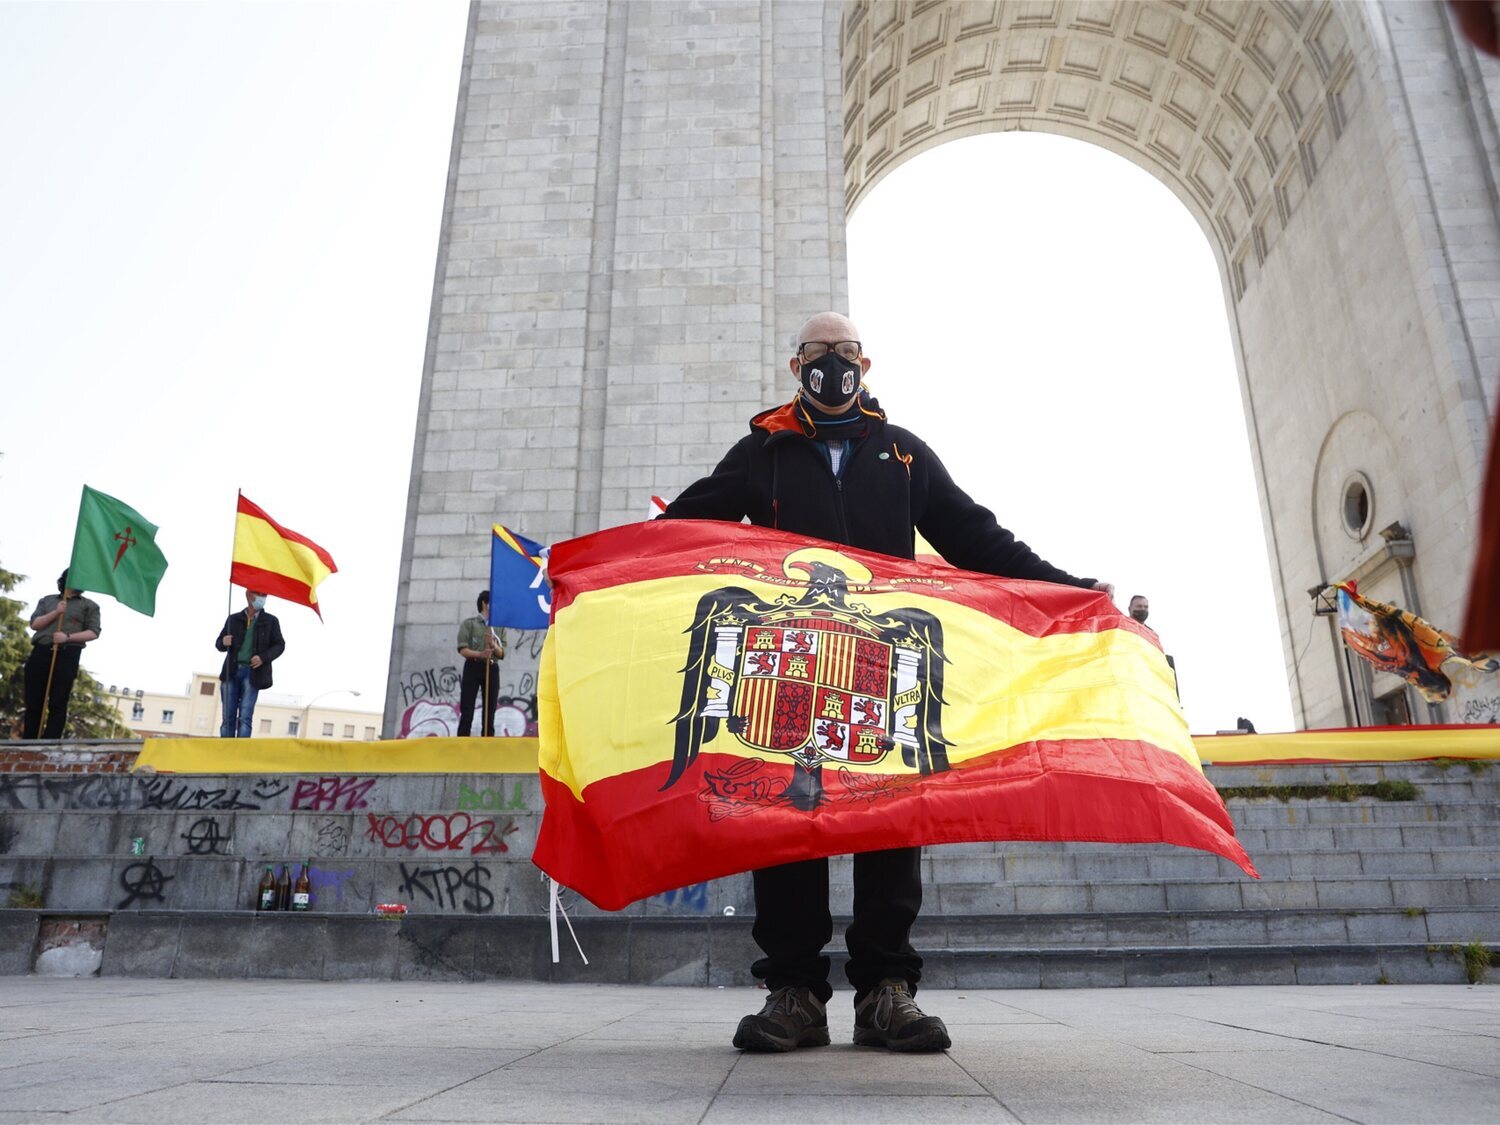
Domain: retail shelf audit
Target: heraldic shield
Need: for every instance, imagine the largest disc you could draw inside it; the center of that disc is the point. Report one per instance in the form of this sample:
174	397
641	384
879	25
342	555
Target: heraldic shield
812	677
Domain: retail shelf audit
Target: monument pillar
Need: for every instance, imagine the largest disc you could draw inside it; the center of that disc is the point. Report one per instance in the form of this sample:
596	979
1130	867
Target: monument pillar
644	202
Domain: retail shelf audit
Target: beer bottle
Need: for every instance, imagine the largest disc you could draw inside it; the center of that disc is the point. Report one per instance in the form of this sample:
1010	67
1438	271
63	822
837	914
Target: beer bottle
284	888
302	892
265	894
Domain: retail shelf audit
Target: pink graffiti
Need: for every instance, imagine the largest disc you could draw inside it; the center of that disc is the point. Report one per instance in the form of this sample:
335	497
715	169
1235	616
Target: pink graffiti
332	794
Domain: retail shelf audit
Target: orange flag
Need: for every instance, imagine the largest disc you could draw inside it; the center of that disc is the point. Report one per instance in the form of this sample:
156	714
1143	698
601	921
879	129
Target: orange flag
277	560
715	698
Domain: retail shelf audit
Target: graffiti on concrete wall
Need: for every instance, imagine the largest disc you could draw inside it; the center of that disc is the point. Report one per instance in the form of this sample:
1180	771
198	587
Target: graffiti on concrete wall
694	898
449	888
453	832
207	837
332	794
1485	710
472	799
430	687
99	792
143	882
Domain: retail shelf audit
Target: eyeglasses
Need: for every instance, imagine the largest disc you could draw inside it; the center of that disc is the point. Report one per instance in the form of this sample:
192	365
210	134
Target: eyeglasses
814	350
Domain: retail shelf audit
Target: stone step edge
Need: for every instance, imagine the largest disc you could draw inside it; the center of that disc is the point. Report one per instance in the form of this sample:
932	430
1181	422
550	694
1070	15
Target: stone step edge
1102	953
927	918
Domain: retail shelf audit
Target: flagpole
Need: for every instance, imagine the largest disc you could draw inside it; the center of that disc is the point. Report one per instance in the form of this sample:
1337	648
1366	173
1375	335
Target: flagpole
62	612
239	494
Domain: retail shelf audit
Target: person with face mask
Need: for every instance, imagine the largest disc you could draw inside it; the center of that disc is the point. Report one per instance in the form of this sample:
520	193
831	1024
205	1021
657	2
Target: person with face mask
63	623
250	641
828	465
1140	609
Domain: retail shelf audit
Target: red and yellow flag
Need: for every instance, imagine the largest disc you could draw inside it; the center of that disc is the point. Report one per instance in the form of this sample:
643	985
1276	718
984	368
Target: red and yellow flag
715	698
277	560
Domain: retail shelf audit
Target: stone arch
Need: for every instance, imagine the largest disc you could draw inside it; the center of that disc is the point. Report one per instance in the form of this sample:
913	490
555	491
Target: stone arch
1234	106
645	199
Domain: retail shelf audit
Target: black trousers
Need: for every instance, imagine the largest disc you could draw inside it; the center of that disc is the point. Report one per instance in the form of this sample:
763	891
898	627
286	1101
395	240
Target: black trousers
469	690
793	923
36	686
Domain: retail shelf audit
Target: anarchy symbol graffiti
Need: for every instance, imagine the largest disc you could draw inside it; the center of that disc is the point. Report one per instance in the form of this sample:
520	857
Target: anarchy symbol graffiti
205	837
143	882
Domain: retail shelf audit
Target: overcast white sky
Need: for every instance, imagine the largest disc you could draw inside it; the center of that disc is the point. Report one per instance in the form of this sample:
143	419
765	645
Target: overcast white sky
218	226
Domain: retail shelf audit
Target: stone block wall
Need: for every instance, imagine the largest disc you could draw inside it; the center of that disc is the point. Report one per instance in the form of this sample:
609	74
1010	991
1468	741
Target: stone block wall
643	204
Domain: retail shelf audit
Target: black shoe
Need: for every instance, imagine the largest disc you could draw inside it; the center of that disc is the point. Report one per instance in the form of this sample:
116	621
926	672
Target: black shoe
889	1017
793	1017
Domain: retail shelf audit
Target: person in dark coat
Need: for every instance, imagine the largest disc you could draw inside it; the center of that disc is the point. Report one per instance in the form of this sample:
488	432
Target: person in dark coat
63	622
250	641
829	465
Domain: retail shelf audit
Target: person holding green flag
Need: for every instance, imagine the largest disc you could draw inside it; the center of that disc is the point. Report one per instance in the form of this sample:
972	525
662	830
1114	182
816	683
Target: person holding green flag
63	622
115	553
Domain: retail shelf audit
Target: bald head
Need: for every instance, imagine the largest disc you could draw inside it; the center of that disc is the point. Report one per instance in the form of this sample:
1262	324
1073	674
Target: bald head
828	327
831	329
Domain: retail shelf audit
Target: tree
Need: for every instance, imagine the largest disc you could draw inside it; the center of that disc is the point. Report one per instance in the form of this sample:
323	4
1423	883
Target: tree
14	646
90	714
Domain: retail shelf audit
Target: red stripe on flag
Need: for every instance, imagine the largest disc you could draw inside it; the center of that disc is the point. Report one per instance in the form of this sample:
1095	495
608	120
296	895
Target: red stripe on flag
675	548
270	582
1104	791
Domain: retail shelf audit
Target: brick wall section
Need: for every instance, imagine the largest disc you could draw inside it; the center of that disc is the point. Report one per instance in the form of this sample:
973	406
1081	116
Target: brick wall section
70	758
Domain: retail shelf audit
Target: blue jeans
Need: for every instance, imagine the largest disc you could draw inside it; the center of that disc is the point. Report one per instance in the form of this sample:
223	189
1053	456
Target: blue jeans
239	702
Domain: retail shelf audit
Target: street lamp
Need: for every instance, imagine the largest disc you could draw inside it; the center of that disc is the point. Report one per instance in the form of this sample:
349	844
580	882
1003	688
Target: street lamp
307	711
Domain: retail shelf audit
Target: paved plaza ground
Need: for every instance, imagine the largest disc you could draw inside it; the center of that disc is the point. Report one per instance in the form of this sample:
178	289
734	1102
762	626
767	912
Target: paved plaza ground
179	1051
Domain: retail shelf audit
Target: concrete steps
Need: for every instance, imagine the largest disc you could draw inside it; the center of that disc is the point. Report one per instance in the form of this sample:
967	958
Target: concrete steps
1363	889
679	951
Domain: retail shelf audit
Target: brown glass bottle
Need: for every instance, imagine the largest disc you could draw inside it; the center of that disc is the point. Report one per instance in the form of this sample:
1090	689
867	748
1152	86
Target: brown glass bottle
302	889
265	894
284	888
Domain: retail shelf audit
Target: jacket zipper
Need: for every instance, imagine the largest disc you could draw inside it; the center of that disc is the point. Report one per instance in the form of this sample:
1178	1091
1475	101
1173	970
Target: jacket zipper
838	485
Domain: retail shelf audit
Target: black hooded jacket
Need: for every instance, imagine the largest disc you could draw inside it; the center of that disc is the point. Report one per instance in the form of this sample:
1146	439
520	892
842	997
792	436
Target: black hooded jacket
268	645
888	484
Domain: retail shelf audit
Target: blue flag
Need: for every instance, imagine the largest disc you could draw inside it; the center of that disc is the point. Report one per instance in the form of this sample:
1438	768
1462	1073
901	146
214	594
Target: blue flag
520	597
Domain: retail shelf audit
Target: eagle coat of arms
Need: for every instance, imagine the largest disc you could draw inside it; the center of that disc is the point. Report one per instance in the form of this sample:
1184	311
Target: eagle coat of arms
814	677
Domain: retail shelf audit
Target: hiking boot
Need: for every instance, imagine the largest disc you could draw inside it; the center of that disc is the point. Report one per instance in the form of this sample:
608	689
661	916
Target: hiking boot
793	1017
889	1017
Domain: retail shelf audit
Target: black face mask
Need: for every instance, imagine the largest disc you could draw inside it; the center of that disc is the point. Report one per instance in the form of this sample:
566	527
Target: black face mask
1140	615
831	380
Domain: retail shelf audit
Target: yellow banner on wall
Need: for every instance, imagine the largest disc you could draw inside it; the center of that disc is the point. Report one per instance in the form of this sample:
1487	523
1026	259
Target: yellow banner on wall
519	755
311	755
1378	744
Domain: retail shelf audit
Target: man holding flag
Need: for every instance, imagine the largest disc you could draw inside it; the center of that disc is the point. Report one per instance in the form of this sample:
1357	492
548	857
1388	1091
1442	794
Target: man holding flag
64	622
480	648
250	641
827	465
115	553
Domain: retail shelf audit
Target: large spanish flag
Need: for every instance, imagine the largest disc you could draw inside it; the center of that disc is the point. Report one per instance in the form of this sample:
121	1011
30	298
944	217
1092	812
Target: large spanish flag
277	560
715	698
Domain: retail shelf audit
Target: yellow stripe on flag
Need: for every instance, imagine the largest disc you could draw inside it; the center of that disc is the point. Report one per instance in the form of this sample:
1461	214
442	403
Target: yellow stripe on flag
616	655
257	543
